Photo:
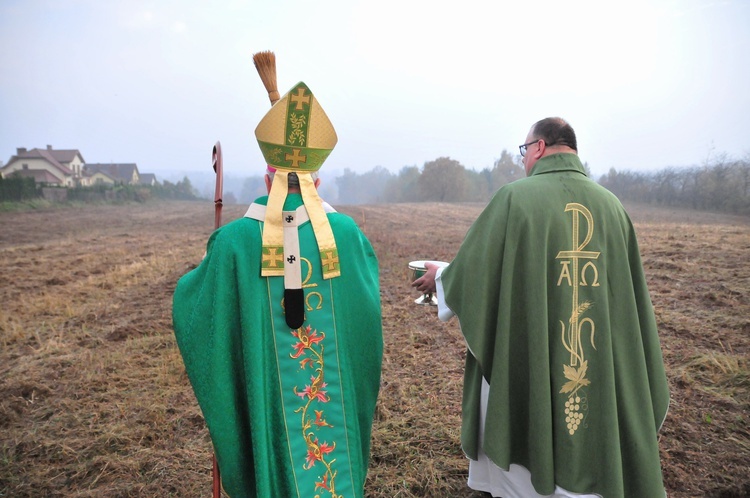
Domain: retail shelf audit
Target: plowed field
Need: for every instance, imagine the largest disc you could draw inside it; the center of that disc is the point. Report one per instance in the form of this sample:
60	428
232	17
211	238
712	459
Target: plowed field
94	400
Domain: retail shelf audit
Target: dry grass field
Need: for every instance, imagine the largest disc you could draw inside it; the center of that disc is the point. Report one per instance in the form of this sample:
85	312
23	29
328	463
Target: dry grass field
94	400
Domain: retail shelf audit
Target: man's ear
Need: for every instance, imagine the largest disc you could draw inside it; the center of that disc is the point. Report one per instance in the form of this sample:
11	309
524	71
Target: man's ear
542	146
268	183
317	182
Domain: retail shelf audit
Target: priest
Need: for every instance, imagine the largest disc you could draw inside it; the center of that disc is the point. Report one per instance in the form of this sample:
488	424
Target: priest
565	388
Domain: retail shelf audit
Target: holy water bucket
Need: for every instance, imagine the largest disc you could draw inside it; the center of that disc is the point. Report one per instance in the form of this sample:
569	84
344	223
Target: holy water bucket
416	270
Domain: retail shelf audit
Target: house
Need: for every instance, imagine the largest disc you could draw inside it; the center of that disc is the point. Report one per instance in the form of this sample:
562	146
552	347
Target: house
50	166
148	179
67	168
99	177
39	176
117	173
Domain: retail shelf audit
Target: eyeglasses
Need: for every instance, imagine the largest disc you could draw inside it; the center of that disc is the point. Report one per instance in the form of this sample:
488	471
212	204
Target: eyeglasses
522	148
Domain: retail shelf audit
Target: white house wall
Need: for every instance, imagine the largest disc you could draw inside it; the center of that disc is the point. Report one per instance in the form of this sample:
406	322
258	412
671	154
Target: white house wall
34	163
76	165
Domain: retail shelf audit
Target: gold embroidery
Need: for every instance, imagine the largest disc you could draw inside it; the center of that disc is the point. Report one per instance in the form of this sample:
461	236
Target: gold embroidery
272	256
298	129
565	273
305	284
320	300
575	372
299	99
273	154
295	157
331	260
591	265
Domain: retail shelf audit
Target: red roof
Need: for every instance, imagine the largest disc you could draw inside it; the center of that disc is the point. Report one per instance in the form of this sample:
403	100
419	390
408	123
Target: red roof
39	175
54	157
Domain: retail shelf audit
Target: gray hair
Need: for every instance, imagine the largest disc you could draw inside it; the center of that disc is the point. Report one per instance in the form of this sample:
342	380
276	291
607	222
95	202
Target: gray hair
293	178
555	131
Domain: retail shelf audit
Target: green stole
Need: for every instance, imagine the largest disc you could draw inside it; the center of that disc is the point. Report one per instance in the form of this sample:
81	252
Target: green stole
310	384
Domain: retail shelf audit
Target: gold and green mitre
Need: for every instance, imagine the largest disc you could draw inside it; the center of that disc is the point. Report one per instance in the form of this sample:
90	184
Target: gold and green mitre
296	136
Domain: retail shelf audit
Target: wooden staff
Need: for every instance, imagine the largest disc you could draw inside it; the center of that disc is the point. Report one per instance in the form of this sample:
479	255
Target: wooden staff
218	165
217	480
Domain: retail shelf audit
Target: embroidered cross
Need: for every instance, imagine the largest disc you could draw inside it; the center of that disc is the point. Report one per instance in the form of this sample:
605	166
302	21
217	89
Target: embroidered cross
330	260
300	99
291	259
273	257
295	157
289	218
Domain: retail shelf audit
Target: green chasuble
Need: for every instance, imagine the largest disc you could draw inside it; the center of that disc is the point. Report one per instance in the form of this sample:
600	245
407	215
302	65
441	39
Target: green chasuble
551	298
289	411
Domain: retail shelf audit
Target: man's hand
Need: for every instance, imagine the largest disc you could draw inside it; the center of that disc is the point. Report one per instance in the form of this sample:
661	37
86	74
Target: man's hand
426	283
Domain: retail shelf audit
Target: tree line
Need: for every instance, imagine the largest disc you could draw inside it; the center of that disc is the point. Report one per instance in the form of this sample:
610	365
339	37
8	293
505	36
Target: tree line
441	180
19	189
718	185
721	185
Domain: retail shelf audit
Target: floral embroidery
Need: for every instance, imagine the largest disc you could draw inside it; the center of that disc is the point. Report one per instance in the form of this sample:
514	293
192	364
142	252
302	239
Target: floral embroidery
314	390
309	348
306	340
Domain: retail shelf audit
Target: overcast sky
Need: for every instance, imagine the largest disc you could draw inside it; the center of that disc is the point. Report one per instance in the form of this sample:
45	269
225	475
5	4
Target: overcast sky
645	84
